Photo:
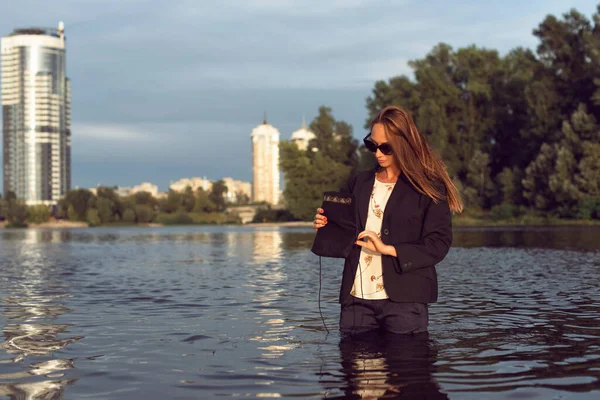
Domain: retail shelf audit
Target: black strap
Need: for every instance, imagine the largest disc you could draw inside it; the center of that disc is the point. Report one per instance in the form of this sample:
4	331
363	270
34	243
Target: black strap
320	279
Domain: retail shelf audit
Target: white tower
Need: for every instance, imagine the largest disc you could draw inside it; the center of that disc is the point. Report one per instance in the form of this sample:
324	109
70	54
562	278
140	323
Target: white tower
265	163
302	137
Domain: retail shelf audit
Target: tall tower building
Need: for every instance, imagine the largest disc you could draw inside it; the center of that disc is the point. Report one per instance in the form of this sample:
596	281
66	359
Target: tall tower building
36	114
265	163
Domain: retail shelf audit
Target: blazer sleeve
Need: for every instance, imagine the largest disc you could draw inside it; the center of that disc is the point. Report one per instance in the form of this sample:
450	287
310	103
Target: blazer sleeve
434	244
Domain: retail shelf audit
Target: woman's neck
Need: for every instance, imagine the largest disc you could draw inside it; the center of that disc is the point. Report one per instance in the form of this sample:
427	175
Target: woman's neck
389	174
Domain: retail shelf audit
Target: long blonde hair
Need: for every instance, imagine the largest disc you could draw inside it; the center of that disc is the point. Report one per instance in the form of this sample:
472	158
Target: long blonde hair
421	165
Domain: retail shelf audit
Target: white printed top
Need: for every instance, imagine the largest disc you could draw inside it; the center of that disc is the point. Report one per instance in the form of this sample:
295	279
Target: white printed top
368	283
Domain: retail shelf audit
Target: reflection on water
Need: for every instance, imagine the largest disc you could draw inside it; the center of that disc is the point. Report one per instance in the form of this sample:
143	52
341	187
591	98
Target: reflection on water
35	301
206	312
556	237
267	282
388	366
559	237
266	246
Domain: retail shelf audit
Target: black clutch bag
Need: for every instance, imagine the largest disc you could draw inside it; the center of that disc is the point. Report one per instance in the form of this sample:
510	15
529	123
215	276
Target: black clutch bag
337	237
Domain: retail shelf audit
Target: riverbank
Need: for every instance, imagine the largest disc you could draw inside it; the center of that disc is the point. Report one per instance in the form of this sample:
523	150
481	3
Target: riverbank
66	224
467	221
287	223
461	221
522	221
58	224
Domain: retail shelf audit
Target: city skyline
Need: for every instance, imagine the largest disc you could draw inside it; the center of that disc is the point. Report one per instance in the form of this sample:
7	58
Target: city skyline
301	137
187	112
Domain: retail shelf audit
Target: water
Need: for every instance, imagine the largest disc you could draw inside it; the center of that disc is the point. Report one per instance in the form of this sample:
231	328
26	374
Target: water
209	312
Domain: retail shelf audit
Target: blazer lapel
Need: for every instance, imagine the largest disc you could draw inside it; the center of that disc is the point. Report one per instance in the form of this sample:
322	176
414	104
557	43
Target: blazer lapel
400	190
364	198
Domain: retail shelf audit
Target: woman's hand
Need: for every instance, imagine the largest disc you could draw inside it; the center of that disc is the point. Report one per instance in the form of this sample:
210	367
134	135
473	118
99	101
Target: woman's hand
374	243
320	220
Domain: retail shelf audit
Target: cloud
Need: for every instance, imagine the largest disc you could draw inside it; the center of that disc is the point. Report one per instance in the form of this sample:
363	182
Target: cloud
181	80
274	7
179	142
109	132
304	7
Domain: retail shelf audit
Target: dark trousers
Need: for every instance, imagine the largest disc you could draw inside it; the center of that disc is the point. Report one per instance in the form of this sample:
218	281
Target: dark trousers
361	315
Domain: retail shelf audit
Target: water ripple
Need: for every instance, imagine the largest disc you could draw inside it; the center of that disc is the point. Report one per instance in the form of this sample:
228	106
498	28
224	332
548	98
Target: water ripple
201	312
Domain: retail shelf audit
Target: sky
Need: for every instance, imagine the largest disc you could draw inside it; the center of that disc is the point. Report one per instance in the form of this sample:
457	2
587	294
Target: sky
170	89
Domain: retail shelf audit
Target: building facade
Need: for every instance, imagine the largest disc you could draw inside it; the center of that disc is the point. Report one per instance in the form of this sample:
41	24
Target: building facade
195	183
36	111
145	187
265	164
236	190
302	137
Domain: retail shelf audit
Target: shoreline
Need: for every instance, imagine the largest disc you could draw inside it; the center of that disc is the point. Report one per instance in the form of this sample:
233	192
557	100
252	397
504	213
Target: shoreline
60	224
287	223
460	223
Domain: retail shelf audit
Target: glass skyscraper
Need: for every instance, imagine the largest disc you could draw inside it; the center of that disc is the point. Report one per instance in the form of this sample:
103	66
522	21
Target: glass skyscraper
36	115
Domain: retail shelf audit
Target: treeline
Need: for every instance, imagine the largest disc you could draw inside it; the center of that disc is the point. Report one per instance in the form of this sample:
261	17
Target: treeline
517	132
15	211
331	158
520	134
106	206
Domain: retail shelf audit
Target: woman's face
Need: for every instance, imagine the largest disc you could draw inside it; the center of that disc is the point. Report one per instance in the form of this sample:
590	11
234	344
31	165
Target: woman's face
378	136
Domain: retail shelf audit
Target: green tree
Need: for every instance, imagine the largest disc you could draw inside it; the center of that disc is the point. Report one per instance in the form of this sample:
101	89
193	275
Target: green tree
71	213
171	203
478	178
588	177
38	214
129	216
308	174
268	214
535	183
13	210
188	199
106	209
92	217
566	49
511	115
16	211
3	208
397	91
80	200
300	198
217	195
203	204
510	185
144	213
334	139
111	201
145	198
242	198
561	184
366	159
453	102
532	114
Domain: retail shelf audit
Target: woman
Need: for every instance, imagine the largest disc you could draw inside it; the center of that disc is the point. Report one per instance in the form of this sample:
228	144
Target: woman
404	217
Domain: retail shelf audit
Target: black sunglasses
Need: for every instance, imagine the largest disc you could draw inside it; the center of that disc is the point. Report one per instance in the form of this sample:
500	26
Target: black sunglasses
385	148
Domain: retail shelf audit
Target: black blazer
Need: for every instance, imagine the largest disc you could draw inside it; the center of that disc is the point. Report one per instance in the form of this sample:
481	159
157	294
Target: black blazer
419	229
